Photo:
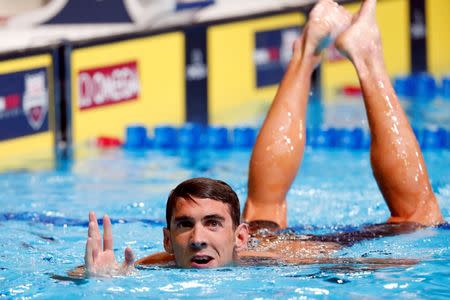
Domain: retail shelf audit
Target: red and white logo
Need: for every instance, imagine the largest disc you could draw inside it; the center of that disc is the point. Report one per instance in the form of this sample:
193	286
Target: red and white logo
9	103
35	99
108	85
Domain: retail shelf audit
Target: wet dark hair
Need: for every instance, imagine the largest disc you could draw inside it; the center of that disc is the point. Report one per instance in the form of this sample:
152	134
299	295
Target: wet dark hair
204	188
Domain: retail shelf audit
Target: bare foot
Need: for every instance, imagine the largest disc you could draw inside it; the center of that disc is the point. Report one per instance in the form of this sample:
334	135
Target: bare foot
362	38
326	21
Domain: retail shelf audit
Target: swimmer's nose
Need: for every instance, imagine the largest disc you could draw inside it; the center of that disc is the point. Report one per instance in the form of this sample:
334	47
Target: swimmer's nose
198	242
198	245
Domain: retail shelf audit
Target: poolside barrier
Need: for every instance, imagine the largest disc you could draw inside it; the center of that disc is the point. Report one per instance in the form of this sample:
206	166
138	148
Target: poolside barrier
445	89
196	136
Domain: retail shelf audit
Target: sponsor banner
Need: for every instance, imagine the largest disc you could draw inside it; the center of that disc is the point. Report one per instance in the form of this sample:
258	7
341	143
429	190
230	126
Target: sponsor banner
273	50
244	59
108	85
24	102
152	77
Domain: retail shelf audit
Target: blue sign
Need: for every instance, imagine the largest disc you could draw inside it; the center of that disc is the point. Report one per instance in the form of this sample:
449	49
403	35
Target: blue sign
24	103
273	50
91	11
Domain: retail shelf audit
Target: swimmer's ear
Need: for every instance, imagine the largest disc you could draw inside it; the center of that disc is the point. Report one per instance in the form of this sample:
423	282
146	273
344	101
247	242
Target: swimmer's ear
241	236
167	242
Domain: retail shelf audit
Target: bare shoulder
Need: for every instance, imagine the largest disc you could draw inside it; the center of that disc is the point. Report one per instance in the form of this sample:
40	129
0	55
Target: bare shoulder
159	258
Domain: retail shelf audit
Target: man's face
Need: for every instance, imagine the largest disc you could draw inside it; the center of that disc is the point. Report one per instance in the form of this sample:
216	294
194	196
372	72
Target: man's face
201	234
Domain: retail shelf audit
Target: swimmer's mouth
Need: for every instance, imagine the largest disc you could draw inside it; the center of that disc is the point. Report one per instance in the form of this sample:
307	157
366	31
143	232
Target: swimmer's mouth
201	261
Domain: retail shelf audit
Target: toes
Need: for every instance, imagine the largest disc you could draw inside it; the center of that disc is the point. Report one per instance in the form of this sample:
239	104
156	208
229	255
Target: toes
368	9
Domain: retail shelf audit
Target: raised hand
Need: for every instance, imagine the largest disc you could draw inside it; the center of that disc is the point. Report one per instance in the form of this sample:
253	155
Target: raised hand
99	259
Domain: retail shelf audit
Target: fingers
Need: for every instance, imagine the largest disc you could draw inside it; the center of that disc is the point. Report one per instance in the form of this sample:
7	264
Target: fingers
93	231
88	256
107	234
95	252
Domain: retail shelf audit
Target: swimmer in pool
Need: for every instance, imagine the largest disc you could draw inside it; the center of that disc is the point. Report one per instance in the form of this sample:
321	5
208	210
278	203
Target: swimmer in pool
204	227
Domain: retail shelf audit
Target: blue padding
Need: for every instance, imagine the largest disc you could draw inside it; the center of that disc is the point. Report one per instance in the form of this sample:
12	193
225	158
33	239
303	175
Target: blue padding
403	86
418	134
244	137
447	140
218	137
366	139
149	143
135	136
192	135
321	137
424	86
433	138
165	137
197	136
349	138
445	89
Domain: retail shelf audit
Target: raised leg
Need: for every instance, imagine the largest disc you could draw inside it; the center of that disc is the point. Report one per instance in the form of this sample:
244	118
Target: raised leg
397	161
280	144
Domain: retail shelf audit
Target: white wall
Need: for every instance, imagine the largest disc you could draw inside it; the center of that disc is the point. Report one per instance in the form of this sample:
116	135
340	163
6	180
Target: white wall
10	8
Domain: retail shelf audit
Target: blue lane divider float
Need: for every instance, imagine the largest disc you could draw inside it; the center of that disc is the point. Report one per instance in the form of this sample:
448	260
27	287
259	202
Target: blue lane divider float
433	138
136	136
445	89
422	87
244	137
196	136
218	137
425	86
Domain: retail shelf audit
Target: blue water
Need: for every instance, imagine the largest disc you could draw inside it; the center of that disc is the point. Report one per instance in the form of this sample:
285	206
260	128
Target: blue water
43	220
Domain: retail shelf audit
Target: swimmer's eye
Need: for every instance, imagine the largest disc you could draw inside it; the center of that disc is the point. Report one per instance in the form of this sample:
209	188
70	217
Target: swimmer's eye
213	223
184	224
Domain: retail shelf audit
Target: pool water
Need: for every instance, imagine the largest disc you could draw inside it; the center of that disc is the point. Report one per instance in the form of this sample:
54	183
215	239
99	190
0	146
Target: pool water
43	220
